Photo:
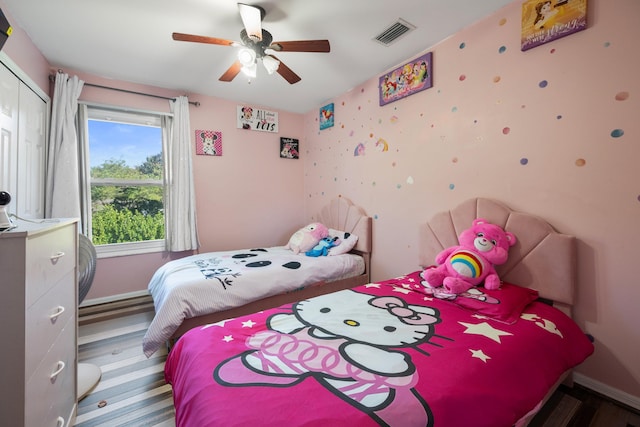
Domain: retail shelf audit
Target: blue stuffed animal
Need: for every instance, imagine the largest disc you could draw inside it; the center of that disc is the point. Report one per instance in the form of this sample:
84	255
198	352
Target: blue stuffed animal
323	246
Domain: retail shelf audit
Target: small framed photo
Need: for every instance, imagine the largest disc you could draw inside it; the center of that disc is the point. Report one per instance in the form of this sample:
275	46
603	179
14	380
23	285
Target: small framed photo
326	116
208	143
289	148
412	77
547	20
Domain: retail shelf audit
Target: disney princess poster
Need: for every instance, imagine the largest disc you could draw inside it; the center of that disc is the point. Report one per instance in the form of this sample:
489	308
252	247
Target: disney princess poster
412	77
547	20
208	143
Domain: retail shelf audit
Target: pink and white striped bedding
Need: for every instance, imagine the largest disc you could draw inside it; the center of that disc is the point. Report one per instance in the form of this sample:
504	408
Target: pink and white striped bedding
387	354
216	281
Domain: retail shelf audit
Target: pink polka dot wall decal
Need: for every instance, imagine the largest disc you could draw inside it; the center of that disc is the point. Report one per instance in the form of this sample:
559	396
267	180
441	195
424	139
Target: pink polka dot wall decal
496	79
454	160
552	51
506	130
580	162
622	96
462	77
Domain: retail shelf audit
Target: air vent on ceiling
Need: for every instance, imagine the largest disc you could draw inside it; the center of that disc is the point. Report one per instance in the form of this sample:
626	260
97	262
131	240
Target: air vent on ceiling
394	32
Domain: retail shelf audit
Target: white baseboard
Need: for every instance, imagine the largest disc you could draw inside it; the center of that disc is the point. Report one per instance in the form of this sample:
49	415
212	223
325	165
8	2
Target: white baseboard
113	298
613	393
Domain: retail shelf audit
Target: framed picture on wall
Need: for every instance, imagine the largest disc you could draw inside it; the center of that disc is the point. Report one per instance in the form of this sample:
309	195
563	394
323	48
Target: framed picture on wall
412	77
208	143
547	20
289	148
326	116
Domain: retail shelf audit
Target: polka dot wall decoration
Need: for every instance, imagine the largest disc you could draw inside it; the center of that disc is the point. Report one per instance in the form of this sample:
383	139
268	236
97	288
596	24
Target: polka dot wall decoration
506	130
462	45
462	77
617	133
502	21
580	162
502	49
451	186
622	96
496	79
543	84
524	161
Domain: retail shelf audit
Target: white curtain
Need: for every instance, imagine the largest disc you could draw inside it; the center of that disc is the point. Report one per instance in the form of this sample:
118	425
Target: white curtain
181	230
62	197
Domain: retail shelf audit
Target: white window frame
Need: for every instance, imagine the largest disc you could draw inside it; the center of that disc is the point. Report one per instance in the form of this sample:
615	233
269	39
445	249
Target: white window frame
136	117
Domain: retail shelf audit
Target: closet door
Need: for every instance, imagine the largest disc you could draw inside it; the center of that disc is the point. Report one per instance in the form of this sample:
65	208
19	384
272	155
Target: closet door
31	154
9	96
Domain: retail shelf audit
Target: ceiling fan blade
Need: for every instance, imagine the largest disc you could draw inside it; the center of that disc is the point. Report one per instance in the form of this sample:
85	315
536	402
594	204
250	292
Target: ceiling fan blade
252	20
302	46
286	72
231	72
202	39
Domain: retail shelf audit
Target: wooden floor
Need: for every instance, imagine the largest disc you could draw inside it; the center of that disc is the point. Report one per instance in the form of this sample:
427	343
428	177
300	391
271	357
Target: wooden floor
132	391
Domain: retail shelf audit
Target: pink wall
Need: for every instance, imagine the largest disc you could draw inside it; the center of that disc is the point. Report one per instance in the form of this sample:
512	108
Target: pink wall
514	126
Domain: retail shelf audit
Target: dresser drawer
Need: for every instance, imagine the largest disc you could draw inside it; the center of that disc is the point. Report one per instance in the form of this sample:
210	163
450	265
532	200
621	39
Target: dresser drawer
50	256
46	318
48	398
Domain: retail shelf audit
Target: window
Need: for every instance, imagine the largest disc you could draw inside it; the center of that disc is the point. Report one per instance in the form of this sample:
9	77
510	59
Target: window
126	172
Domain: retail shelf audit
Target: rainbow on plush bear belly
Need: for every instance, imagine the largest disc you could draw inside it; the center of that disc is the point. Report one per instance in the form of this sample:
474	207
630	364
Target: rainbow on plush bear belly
467	264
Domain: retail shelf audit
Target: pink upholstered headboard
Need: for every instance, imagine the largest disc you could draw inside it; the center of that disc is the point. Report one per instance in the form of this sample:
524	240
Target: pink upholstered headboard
542	258
341	214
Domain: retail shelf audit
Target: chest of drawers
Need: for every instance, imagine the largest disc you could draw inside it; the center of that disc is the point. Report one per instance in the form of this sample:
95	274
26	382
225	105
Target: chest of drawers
38	314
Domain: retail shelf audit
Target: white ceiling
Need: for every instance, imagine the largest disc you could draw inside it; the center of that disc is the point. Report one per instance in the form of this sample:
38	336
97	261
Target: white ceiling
131	40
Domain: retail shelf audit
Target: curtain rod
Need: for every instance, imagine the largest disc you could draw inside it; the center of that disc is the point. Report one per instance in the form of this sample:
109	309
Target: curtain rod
196	103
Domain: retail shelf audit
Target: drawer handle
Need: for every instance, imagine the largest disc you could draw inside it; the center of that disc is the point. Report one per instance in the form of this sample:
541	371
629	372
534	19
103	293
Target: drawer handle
55	257
60	422
57	314
61	366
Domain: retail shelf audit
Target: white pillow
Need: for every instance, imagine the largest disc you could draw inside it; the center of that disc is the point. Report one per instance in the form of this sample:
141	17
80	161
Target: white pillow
347	242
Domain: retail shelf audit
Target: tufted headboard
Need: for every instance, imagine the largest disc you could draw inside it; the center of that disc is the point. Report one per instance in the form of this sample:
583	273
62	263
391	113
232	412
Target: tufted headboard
542	258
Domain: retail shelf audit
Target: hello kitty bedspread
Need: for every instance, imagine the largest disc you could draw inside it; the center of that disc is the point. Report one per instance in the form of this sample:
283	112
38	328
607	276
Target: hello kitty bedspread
390	353
215	281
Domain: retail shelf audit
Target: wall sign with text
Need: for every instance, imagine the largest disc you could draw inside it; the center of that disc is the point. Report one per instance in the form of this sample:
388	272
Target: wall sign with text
257	119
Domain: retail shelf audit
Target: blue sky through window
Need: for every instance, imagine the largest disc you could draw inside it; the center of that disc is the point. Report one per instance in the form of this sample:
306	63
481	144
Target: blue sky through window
120	141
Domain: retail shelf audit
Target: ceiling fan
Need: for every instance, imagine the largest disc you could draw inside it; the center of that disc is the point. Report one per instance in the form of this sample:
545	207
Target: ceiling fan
257	45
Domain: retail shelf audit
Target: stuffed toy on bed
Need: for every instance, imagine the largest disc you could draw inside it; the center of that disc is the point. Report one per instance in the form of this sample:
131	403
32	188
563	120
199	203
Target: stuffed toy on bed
307	237
459	268
323	246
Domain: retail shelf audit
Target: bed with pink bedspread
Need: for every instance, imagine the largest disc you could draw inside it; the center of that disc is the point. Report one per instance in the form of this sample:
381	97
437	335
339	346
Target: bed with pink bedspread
395	352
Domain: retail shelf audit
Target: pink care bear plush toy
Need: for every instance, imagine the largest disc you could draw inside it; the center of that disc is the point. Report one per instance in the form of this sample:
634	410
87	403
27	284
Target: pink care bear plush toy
307	237
462	267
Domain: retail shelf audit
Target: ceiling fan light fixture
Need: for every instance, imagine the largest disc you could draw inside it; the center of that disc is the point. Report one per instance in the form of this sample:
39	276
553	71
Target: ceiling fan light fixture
271	64
247	57
250	71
